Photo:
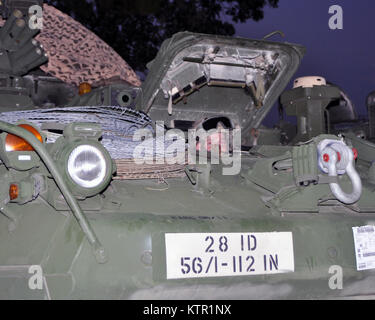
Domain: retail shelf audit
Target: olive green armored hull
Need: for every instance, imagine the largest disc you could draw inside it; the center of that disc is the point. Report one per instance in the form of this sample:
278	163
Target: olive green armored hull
80	219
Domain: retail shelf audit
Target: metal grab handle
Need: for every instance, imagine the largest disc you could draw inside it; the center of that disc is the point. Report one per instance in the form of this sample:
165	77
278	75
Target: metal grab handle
70	199
331	161
282	34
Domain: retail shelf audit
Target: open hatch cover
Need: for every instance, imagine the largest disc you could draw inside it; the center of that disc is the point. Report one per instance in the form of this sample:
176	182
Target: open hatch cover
196	77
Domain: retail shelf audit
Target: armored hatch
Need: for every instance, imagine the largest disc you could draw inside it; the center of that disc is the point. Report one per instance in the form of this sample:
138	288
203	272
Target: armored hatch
197	77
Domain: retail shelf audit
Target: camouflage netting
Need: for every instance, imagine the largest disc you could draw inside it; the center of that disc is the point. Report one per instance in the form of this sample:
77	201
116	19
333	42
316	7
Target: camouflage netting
76	54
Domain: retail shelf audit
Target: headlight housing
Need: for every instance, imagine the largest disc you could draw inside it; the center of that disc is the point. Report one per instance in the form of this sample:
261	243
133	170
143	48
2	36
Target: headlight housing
85	164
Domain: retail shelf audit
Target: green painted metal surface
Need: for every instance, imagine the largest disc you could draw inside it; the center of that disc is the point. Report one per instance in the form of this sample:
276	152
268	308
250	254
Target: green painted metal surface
55	225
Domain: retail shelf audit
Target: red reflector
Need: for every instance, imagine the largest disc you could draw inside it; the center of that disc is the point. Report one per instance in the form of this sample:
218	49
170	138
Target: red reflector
355	153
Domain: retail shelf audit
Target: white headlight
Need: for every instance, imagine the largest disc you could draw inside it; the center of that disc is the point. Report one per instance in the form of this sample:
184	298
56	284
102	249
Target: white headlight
87	166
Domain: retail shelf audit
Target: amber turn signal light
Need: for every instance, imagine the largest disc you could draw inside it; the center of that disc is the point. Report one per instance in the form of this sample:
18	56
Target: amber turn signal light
15	143
13	191
83	88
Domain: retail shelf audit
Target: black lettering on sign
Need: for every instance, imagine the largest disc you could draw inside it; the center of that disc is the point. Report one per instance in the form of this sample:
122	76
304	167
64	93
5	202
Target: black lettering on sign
251	242
274	262
223	244
185	266
209	264
254	242
197	265
265	262
251	261
211	240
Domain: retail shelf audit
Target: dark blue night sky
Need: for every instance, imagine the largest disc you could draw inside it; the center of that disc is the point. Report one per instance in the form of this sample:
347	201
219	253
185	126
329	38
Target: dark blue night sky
345	57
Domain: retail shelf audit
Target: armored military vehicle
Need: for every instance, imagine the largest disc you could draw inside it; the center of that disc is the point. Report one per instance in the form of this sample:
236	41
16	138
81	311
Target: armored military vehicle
262	213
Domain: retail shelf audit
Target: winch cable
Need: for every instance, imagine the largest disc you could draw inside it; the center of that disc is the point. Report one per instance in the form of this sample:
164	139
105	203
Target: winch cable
99	251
